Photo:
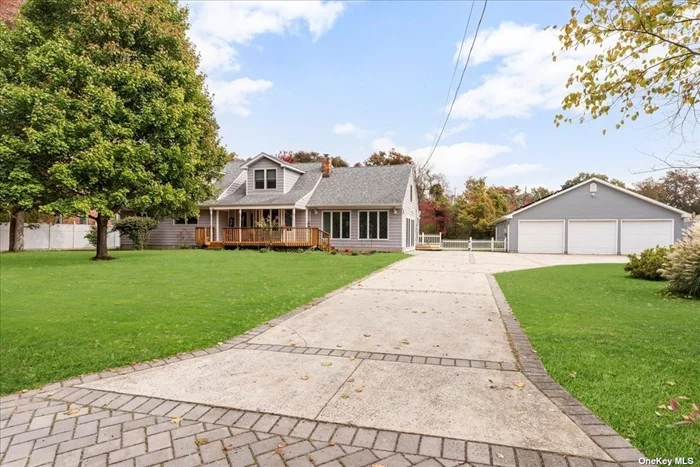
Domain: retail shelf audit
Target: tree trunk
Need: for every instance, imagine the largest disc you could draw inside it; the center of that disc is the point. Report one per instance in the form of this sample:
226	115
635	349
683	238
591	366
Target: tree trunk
17	231
102	227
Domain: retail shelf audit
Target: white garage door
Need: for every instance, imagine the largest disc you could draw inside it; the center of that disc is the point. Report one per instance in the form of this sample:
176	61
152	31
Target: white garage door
638	235
592	237
541	236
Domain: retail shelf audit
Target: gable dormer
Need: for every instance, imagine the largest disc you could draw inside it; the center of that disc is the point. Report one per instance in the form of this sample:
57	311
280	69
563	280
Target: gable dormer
267	174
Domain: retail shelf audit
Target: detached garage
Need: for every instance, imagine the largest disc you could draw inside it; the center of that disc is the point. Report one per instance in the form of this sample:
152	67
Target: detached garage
592	218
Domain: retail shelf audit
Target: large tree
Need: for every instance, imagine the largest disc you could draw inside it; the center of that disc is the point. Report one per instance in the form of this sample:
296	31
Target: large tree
296	157
392	157
648	61
583	176
678	188
126	121
477	208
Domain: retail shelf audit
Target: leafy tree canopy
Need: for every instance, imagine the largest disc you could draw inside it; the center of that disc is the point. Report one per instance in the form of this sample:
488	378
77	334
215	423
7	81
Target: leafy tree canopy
583	176
103	99
648	61
678	188
391	158
295	157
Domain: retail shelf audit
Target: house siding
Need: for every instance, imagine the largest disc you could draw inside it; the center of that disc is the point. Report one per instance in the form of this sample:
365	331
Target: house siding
395	241
290	178
410	210
265	163
171	235
578	203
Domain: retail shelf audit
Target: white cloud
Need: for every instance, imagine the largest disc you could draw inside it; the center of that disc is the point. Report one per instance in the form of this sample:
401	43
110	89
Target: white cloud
449	131
517	137
217	26
348	129
459	161
525	77
513	169
386	144
231	96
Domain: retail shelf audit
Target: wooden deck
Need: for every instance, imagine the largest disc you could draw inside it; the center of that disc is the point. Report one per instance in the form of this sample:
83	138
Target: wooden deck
277	237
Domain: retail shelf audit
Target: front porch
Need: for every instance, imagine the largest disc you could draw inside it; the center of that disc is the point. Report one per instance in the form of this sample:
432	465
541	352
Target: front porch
269	237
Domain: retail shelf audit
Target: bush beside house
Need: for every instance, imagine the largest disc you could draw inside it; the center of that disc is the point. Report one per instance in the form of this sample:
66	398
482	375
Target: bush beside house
648	264
682	265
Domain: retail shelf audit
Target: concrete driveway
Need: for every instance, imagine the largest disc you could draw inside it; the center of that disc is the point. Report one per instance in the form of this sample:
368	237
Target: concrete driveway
419	348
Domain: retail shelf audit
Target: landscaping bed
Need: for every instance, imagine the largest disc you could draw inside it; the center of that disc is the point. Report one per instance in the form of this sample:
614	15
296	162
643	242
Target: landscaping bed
62	315
619	346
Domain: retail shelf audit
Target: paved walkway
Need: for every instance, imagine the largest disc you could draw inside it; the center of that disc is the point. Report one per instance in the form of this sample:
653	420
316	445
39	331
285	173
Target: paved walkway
421	363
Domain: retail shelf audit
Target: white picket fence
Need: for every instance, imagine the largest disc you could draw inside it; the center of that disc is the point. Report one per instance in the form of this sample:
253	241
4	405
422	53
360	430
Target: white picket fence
55	237
465	245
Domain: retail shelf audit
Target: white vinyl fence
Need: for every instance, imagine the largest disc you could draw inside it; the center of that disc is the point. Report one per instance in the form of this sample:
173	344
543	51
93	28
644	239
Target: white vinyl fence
466	245
55	237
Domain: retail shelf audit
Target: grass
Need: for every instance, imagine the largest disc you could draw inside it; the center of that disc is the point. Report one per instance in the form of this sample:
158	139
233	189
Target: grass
62	315
617	345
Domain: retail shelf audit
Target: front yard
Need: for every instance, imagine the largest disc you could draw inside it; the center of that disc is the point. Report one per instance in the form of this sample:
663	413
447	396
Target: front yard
63	315
618	346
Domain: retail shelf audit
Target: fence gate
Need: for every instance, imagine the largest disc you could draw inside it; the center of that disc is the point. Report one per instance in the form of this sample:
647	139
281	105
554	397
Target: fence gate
435	241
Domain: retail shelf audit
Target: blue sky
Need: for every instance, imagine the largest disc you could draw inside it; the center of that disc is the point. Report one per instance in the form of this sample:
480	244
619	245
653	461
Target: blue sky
351	78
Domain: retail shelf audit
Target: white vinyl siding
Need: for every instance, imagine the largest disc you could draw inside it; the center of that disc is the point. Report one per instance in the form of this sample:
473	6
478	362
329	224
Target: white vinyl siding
592	237
541	236
639	234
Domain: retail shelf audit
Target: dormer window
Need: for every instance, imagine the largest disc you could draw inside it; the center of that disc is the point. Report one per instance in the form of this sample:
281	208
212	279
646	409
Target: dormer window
266	179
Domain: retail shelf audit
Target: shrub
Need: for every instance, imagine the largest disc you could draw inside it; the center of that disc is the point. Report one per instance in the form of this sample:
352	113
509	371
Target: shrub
648	264
137	228
682	267
91	236
334	252
354	253
263	250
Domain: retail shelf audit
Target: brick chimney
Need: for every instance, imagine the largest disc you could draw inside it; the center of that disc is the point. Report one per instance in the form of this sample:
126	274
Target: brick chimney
326	166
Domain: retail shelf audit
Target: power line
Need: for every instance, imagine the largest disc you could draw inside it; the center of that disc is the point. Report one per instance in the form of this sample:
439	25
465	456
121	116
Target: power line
466	64
454	70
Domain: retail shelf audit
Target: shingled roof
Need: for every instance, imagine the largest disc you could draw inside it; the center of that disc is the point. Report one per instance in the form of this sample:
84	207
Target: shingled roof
363	186
9	10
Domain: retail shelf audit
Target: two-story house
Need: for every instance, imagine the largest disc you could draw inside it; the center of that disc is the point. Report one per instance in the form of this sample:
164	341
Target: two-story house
267	202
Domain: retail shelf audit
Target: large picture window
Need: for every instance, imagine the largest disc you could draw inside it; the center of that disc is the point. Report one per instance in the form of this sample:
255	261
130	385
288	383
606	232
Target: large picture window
266	179
374	225
337	223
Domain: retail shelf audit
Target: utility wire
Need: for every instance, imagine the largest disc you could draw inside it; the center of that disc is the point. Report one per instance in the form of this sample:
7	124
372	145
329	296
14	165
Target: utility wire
454	70
466	64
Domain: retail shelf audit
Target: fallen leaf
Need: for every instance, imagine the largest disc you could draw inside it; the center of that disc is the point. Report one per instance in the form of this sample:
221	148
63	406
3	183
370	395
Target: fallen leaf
662	406
500	456
176	420
326	363
71	412
367	334
331	443
658	414
673	404
352	357
344	395
201	441
282	444
305	377
405	341
683	398
358	389
351	380
376	465
572	374
519	384
671	383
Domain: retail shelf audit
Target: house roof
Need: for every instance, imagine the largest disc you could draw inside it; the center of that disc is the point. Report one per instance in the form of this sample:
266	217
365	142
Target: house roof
311	173
276	160
596	180
363	186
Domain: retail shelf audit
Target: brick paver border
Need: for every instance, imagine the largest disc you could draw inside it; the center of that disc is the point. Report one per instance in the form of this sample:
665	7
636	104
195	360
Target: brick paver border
609	440
63	425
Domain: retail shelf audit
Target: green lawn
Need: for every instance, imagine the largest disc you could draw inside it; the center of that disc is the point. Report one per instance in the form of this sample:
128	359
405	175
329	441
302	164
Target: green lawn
631	349
63	315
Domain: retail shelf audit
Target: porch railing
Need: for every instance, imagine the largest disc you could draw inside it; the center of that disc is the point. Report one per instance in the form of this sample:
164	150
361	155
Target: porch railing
290	237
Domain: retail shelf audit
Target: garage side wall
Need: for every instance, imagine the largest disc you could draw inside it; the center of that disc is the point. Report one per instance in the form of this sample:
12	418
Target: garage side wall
607	204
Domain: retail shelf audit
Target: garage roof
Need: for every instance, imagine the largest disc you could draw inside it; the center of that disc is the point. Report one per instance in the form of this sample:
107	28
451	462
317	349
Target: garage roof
596	180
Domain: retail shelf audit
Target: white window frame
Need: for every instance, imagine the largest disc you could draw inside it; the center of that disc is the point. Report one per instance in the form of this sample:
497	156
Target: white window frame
323	213
388	222
265	179
187	221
